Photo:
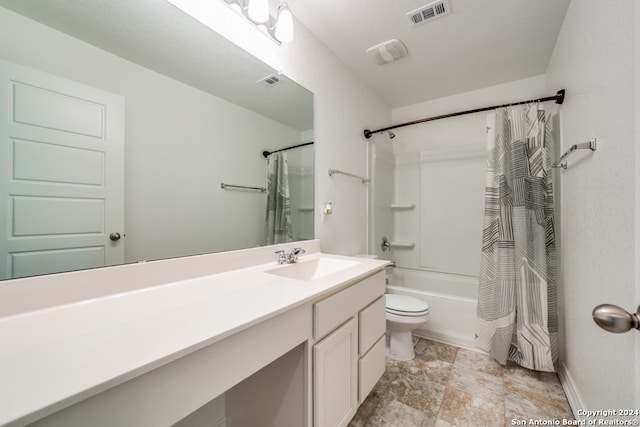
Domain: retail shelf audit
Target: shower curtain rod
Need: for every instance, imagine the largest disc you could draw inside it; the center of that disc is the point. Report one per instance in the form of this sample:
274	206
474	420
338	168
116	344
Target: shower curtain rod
558	98
266	153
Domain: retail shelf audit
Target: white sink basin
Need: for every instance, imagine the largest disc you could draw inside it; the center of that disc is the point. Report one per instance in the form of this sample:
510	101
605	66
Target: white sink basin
312	269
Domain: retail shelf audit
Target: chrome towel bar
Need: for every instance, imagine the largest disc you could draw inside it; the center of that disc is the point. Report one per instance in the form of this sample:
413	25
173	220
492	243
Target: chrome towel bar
562	162
244	187
364	180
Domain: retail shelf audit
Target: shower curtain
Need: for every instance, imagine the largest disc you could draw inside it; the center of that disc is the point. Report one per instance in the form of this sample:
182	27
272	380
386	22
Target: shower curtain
517	307
278	219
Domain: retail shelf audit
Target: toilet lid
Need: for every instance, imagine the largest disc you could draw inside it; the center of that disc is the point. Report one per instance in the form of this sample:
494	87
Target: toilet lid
405	305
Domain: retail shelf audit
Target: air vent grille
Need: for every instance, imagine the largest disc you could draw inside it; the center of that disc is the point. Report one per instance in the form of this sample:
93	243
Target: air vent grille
269	81
429	12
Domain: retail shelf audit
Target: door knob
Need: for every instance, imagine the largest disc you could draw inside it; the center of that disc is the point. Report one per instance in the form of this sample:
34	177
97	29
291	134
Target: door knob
384	244
114	237
616	319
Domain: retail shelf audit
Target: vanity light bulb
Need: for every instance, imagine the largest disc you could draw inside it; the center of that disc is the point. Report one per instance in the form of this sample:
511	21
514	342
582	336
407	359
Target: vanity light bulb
258	10
284	25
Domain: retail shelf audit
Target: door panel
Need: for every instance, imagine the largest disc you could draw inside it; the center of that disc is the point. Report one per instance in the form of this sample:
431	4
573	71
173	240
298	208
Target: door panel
49	216
62	189
38	161
37	106
335	377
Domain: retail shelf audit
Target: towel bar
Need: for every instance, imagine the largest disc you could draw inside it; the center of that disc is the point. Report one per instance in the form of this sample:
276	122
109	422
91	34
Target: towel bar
364	180
261	189
562	162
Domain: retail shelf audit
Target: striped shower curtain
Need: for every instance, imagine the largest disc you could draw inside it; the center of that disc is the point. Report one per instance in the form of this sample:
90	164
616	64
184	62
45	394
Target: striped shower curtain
517	307
278	218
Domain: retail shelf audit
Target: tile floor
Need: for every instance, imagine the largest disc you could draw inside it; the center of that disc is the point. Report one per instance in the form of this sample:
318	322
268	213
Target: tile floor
446	386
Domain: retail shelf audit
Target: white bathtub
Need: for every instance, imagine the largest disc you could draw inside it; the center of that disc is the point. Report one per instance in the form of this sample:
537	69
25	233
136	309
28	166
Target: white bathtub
452	302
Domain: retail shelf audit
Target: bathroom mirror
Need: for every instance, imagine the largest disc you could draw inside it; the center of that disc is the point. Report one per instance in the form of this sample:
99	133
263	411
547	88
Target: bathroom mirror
198	112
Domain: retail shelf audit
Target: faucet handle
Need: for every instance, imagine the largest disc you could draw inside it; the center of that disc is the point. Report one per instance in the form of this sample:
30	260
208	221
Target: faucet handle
293	256
282	256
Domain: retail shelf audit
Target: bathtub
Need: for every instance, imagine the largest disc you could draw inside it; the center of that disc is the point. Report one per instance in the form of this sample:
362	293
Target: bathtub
452	303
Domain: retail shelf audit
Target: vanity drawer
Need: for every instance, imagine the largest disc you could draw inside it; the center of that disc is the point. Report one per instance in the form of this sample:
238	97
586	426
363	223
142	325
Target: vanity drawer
372	323
333	311
370	368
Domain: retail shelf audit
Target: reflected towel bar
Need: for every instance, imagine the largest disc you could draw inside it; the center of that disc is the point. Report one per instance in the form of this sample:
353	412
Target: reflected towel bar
244	187
364	180
562	162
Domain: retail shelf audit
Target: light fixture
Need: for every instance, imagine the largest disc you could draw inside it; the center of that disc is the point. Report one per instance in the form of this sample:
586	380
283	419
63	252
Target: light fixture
284	24
258	10
280	28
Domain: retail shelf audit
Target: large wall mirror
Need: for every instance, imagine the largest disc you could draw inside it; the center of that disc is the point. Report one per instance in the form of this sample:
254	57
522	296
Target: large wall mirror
196	112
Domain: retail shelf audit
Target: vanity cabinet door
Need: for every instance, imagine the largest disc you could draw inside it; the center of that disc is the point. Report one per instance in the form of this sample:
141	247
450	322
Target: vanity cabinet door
335	377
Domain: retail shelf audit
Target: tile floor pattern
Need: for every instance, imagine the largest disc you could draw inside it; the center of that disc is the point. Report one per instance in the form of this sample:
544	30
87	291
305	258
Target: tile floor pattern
447	386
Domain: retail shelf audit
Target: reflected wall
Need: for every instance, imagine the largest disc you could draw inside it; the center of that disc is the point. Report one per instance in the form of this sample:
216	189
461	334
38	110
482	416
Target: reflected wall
181	143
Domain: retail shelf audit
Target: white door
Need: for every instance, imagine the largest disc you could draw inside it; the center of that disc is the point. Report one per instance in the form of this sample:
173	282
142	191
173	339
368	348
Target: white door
62	166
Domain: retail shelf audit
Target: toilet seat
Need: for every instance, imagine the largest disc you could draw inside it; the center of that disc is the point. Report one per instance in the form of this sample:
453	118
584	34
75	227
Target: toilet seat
404	305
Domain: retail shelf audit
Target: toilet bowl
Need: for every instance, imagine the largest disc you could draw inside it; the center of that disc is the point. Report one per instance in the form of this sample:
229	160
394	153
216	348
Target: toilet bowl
404	315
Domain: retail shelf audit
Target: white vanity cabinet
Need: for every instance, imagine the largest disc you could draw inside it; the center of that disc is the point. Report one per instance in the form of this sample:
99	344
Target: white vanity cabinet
348	354
238	344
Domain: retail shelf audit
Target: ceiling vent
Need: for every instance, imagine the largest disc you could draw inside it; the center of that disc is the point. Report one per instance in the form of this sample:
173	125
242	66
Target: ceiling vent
429	12
269	81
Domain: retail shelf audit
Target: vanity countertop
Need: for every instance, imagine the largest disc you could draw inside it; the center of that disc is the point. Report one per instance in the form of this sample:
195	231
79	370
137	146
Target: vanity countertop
59	355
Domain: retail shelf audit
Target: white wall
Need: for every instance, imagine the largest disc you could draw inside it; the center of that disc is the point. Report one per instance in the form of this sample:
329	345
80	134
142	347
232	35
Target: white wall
637	194
382	166
344	107
181	143
595	58
301	174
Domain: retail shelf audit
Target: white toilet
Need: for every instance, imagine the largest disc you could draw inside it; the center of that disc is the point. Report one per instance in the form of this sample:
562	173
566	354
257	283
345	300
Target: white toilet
404	315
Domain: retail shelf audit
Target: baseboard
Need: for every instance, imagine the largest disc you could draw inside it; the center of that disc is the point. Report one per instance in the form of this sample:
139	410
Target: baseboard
568	385
447	339
222	422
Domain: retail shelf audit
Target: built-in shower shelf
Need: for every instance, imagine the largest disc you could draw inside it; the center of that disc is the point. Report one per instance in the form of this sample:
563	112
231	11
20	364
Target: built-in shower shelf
402	206
402	244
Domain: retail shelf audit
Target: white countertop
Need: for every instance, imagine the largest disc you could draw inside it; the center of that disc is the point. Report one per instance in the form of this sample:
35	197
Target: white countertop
55	356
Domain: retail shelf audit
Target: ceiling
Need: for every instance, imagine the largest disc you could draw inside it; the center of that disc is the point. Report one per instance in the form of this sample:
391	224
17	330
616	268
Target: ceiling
160	37
478	44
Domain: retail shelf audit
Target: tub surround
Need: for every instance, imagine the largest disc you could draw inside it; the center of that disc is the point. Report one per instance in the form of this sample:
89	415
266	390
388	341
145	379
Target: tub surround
127	322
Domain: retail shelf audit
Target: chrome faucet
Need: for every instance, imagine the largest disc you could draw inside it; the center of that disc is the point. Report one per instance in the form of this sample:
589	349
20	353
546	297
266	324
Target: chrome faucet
292	257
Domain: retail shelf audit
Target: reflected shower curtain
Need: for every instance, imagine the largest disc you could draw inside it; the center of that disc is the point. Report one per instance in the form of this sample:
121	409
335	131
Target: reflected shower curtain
278	218
517	294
